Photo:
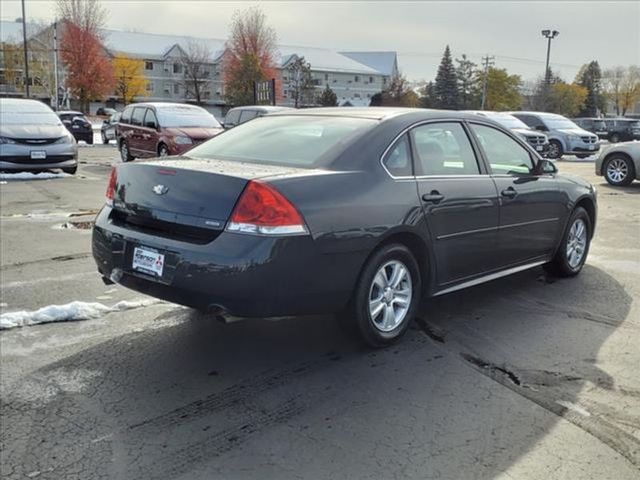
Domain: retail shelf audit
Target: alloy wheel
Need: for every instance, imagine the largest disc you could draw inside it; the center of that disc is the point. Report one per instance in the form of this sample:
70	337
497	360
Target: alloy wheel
617	170
390	295
576	243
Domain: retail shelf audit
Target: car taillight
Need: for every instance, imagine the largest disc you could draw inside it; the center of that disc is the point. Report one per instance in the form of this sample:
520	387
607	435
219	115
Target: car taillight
111	186
263	210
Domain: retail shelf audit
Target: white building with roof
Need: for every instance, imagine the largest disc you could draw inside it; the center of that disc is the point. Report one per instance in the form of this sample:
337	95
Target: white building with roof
354	76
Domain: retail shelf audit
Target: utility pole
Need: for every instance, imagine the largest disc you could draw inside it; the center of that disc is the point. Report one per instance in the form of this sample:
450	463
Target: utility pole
488	62
55	65
26	55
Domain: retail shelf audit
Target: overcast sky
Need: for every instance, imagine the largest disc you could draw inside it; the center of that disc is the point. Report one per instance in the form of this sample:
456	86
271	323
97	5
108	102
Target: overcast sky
605	31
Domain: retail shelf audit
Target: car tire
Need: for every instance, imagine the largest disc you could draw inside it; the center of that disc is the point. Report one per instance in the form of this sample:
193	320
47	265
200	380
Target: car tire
89	140
70	170
555	150
574	247
618	170
125	156
392	277
163	150
615	138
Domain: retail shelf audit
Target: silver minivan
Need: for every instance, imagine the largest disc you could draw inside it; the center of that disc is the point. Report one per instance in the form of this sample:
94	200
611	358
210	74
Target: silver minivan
565	137
32	137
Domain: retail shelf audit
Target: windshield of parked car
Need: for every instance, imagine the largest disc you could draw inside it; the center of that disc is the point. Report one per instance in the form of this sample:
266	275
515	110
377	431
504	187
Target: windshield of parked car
509	121
560	123
186	117
296	140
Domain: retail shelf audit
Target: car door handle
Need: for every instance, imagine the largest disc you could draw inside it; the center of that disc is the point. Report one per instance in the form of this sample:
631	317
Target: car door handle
433	197
509	192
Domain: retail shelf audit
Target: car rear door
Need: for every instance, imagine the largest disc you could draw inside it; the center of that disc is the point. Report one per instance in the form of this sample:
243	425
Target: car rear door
459	201
532	207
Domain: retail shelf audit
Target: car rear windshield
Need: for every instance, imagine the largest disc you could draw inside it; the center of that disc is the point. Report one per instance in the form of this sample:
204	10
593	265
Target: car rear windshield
29	118
186	117
301	141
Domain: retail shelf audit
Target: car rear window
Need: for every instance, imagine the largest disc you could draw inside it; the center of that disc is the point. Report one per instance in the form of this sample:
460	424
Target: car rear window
301	141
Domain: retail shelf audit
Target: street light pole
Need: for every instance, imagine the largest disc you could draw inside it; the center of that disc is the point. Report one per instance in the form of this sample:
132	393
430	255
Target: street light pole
549	35
26	55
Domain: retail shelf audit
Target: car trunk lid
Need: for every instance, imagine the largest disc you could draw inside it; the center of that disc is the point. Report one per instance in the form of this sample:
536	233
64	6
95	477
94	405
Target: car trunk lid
184	196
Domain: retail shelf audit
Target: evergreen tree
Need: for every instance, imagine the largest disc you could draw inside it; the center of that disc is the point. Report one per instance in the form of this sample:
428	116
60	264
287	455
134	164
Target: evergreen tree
590	77
465	73
446	86
428	99
328	98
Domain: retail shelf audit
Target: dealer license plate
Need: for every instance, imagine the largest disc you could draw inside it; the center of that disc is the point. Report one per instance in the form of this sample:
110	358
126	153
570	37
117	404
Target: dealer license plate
148	261
539	148
38	154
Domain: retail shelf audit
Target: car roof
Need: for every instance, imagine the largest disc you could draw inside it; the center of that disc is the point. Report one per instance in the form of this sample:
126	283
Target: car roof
167	105
378	113
24	104
539	114
72	112
264	108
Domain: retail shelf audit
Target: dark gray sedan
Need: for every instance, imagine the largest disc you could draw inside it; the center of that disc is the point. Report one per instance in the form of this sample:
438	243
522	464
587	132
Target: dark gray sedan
354	211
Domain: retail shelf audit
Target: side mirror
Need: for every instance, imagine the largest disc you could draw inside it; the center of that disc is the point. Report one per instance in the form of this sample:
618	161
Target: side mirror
547	166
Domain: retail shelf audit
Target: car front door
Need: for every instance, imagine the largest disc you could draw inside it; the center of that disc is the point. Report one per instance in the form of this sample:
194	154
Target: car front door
532	207
459	201
136	145
149	133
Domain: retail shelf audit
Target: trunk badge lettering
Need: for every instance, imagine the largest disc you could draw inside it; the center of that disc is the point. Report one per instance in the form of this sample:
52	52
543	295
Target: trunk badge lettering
160	189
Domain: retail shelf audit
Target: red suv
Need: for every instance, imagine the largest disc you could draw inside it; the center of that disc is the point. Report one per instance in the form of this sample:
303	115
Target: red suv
162	129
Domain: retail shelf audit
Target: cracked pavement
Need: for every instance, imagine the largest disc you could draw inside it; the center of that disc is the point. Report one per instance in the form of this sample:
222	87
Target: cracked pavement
525	377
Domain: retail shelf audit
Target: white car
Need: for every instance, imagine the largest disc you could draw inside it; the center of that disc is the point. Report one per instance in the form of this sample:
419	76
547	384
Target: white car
619	163
33	138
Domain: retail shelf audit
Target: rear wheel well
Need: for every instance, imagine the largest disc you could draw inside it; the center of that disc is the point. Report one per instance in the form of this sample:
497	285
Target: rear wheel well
588	205
416	246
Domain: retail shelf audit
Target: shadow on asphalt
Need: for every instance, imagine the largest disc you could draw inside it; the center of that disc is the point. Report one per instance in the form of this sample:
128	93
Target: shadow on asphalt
194	398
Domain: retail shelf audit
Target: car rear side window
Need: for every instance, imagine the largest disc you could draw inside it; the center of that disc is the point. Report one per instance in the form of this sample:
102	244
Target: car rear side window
397	161
138	116
443	149
505	155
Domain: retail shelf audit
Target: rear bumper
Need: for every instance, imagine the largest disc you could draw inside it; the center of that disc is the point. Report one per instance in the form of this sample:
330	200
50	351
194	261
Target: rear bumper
243	275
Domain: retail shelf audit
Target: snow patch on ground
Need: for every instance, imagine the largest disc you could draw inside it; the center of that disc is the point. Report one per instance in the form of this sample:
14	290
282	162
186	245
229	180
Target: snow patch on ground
32	176
69	312
574	407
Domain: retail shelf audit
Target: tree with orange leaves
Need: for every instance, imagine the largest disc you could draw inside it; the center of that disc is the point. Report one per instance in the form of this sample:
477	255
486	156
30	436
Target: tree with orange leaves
250	56
89	71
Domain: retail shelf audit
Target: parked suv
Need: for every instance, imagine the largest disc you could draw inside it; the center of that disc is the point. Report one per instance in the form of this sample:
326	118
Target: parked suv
623	129
538	141
108	129
162	129
593	125
239	115
565	137
79	126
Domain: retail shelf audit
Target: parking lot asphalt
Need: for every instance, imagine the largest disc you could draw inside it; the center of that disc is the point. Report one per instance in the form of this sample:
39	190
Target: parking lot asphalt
525	377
